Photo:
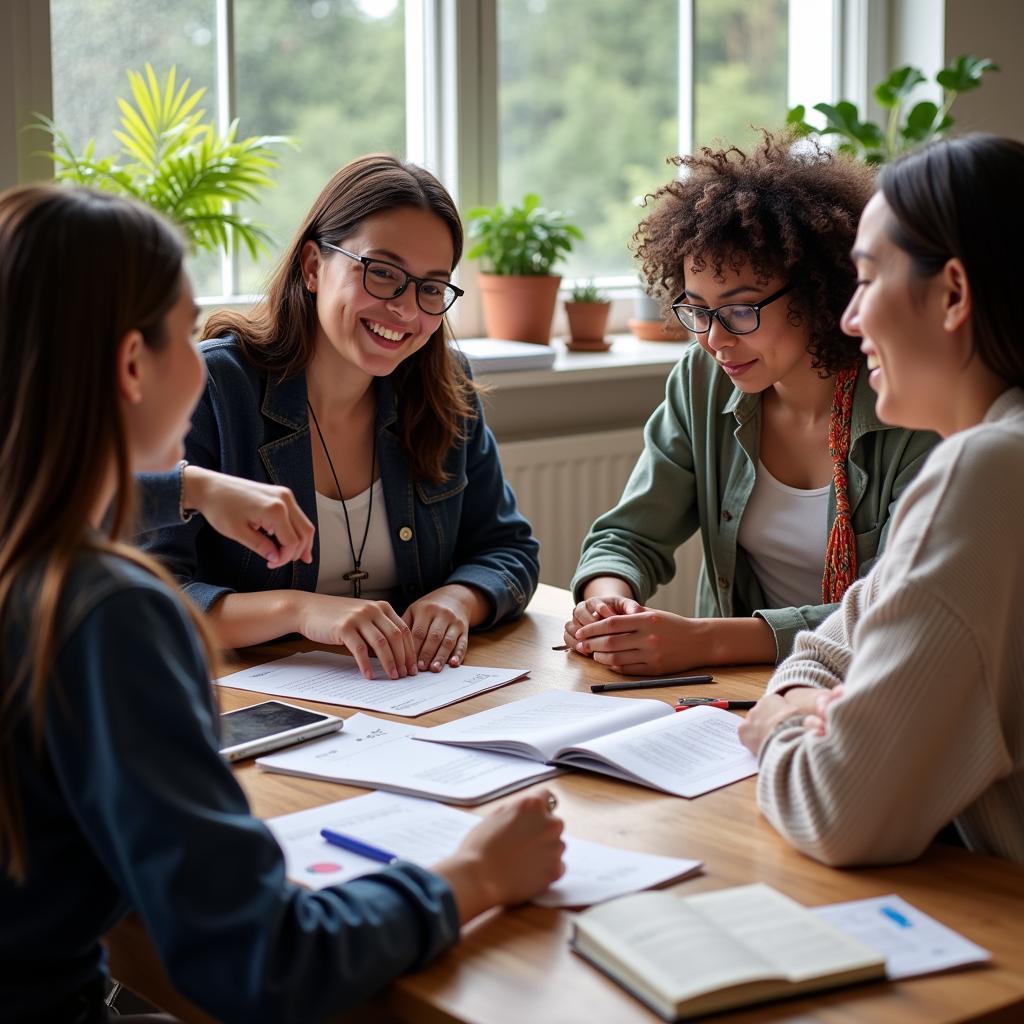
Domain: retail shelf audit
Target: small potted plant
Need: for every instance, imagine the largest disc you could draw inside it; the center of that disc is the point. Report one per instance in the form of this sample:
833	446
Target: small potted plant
518	246
587	310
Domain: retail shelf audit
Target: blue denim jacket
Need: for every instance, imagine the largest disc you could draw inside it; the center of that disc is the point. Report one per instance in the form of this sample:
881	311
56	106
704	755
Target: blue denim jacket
465	530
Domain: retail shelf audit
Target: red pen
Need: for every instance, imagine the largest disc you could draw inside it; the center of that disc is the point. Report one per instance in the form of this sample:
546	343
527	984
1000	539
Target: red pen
685	703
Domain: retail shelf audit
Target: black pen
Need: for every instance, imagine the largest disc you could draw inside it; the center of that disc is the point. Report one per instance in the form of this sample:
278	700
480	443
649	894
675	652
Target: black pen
645	684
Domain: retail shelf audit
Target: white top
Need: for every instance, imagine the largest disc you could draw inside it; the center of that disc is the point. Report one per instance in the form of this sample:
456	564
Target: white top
784	531
336	555
930	647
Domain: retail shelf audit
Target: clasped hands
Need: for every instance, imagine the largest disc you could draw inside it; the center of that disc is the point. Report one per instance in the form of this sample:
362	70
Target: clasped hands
632	639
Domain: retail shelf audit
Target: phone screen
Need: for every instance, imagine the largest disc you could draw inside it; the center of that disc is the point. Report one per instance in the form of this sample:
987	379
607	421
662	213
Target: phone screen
254	723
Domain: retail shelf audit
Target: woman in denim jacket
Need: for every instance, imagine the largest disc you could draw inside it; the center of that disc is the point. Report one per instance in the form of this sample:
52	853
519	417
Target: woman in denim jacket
341	386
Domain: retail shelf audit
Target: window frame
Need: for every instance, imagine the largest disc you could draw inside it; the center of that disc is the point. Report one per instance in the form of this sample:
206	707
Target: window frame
451	102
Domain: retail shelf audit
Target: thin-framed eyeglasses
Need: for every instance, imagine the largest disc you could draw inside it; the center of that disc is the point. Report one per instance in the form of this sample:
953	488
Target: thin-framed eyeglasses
735	317
384	280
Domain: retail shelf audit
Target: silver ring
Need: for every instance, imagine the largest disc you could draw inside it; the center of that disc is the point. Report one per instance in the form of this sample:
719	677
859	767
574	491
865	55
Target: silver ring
552	801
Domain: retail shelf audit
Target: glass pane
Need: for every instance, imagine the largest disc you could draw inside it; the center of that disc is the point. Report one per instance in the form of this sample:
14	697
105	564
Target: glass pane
331	74
588	111
740	69
94	42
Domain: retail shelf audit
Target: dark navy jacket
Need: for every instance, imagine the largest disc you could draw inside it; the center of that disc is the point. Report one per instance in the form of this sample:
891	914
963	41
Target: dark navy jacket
129	806
465	530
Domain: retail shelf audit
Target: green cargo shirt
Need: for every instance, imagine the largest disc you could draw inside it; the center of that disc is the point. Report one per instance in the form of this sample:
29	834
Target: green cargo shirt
697	472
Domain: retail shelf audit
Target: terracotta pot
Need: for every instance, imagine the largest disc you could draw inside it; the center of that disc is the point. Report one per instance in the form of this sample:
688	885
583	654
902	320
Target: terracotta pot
587	320
519	308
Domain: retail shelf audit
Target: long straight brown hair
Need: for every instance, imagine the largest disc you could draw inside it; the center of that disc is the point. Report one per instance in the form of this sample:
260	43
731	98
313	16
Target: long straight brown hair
434	393
78	270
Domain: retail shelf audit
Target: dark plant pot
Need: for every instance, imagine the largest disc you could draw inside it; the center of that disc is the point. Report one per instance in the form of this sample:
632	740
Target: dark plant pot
519	308
587	320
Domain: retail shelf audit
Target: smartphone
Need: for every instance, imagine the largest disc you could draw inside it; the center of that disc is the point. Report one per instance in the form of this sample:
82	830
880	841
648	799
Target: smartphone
269	726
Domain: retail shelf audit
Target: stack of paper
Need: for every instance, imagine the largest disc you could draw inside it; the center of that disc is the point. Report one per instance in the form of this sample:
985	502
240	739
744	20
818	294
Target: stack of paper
490	355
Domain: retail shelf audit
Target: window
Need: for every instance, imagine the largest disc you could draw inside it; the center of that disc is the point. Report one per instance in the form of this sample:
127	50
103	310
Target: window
591	96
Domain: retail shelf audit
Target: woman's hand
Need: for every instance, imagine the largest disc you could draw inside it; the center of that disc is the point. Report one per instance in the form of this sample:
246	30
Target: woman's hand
594	609
366	628
512	855
642	641
773	708
816	722
440	622
264	518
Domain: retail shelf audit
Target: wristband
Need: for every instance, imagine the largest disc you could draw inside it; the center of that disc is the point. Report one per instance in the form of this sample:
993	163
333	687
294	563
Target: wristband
185	513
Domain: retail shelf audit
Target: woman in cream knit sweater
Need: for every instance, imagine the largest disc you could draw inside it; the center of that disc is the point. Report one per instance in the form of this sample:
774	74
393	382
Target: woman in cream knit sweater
903	710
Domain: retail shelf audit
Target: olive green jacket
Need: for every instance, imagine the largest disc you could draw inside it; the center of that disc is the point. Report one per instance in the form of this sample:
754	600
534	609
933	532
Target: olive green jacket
697	472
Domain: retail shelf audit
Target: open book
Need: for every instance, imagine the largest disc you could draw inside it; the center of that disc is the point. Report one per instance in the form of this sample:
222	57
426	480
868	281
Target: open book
718	950
637	740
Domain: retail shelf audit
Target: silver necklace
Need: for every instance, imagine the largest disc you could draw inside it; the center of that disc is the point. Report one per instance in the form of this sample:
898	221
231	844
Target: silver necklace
357	575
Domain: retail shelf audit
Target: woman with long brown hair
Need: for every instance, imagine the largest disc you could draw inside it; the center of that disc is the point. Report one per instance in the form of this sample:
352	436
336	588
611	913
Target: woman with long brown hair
341	385
113	795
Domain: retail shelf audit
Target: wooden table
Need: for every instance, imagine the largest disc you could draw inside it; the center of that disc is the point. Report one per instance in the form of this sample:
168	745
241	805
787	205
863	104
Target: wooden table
515	966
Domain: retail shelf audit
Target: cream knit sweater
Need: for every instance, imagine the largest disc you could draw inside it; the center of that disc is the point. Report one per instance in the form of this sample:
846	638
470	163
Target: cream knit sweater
930	646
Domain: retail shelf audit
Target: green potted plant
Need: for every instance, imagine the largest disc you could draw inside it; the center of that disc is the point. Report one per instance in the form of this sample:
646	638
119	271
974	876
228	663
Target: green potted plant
587	310
177	164
518	246
925	121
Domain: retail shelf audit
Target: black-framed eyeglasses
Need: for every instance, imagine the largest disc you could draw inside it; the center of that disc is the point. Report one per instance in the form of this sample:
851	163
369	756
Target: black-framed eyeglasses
735	317
385	280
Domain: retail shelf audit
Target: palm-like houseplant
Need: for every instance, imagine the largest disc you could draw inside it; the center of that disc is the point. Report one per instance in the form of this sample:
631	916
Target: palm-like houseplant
176	163
518	247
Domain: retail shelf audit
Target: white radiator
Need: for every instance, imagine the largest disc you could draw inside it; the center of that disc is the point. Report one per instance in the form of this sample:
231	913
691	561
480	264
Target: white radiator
564	483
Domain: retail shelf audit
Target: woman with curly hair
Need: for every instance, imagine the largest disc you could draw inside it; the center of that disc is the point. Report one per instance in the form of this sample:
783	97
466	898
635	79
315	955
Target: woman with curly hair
767	441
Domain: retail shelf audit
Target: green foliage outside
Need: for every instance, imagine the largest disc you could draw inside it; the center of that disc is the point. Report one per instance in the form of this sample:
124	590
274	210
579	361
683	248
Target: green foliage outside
904	129
588	94
589	103
174	161
524	238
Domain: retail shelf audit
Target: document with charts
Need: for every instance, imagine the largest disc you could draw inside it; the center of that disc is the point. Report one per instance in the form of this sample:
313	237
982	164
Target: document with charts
379	754
633	739
425	832
334	679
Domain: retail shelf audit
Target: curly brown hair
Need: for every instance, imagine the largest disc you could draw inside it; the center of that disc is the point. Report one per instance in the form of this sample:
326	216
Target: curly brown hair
785	210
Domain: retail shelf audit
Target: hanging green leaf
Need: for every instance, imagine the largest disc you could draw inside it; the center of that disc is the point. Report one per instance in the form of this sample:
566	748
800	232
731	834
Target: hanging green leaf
898	86
964	73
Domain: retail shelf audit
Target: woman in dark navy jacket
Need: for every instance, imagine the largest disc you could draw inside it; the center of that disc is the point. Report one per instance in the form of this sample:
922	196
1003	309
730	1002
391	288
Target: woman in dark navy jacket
113	796
341	386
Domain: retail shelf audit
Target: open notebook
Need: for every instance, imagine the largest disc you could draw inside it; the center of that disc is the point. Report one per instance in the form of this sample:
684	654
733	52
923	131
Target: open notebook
633	739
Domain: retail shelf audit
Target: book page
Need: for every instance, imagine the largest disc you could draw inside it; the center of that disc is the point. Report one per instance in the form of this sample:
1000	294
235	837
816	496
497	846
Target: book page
424	832
667	947
334	679
380	754
537	726
785	934
687	754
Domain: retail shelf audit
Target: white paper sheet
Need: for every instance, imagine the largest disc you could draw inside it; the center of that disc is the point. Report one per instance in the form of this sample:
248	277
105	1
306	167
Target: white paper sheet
334	679
913	942
380	754
424	832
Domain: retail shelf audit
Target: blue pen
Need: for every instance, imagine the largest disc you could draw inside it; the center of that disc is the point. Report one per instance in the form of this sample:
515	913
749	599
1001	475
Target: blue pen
357	846
896	916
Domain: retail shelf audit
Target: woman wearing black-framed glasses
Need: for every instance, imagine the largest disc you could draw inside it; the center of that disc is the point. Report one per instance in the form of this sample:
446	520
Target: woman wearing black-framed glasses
341	385
767	442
